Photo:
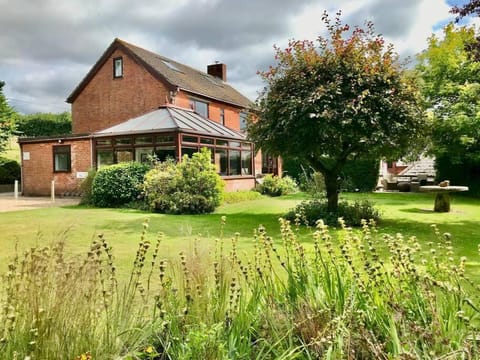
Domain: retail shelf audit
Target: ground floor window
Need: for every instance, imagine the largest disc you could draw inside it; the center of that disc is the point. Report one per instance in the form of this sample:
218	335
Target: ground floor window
62	158
104	158
234	162
124	156
269	164
246	163
189	151
231	157
221	161
144	154
162	153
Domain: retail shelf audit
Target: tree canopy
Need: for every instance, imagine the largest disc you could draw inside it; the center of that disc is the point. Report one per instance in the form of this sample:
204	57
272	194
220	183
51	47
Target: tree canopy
469	8
451	86
7	119
338	98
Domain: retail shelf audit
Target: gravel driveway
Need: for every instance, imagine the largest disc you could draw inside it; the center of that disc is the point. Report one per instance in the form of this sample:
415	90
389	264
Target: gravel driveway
9	203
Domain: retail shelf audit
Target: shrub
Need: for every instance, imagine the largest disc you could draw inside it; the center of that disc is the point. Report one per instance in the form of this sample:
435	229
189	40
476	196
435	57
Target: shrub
118	184
276	186
86	188
312	182
190	187
159	183
308	212
9	171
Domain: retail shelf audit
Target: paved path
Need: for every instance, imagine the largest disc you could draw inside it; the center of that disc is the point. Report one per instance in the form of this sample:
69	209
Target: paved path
9	203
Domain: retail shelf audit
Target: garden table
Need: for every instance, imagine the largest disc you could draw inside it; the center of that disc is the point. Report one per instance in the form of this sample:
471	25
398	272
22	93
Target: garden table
442	195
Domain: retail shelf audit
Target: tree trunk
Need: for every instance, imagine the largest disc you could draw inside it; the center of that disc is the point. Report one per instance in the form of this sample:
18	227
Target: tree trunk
331	185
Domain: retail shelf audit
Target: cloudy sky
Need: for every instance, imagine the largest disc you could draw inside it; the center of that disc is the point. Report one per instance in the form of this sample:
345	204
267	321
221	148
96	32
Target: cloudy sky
47	46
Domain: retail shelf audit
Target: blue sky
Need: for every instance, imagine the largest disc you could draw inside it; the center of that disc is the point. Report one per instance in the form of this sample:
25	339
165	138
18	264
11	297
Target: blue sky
47	47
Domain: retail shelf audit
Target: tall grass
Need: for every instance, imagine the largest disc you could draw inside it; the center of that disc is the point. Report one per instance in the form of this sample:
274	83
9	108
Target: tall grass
337	300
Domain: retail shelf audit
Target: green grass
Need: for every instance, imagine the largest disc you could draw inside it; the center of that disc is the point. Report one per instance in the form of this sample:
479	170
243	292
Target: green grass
122	227
406	213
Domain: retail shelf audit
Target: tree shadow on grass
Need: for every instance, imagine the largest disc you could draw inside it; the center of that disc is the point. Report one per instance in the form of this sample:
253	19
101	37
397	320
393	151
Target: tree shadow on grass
419	211
430	211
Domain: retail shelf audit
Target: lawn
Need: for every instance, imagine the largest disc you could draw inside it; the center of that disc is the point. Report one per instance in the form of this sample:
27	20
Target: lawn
122	227
406	213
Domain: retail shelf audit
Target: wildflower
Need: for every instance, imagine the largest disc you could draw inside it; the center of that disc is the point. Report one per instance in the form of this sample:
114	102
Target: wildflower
149	349
85	356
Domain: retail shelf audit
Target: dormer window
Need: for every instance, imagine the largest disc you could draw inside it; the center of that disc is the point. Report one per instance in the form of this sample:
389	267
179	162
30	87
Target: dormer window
118	67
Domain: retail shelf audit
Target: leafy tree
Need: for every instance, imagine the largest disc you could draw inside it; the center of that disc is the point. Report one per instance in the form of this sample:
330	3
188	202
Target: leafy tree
469	8
472	7
451	86
7	119
335	99
45	124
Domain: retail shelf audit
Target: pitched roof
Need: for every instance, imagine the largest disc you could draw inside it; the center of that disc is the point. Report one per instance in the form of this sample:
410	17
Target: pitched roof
175	74
424	166
171	118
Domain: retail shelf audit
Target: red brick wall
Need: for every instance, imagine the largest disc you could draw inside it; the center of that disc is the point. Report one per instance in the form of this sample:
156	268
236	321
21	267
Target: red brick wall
258	162
232	114
37	172
106	101
238	184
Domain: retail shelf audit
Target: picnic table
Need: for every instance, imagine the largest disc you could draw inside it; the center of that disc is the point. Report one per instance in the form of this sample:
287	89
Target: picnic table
442	195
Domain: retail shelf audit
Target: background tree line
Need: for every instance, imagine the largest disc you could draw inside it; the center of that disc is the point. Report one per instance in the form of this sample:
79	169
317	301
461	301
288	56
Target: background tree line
44	124
14	124
38	124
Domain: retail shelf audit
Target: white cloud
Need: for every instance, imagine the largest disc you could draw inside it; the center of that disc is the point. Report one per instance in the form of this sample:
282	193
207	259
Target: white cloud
430	13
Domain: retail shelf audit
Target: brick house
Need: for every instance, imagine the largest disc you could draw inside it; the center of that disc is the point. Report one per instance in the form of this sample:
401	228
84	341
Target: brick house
133	103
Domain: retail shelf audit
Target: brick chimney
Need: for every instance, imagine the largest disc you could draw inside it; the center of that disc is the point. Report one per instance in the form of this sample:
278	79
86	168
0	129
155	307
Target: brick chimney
218	70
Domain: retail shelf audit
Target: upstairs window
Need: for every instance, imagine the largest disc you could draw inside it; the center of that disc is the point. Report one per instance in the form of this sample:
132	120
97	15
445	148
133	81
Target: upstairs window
243	120
62	158
118	67
200	107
